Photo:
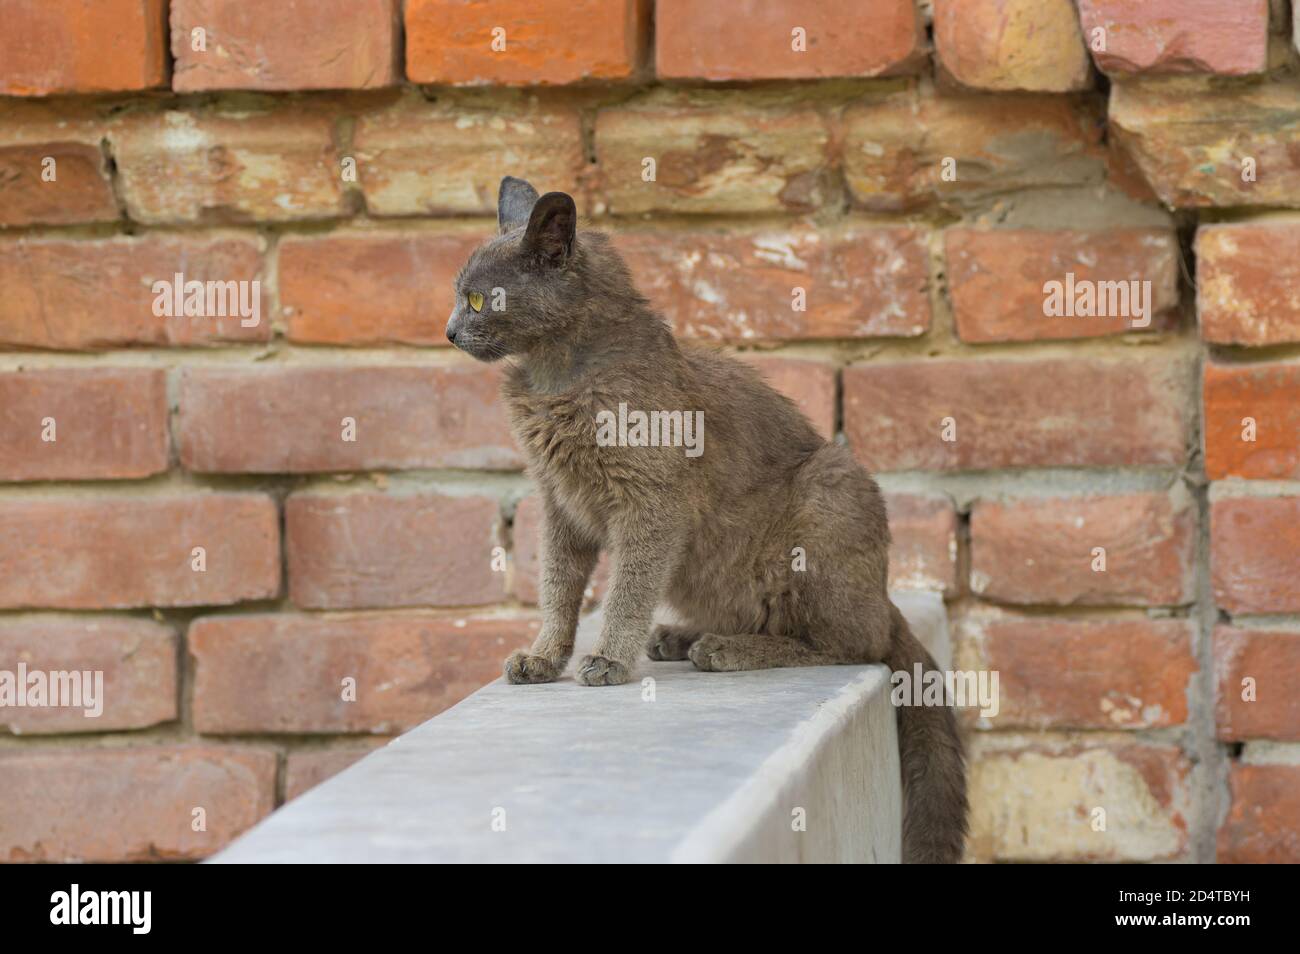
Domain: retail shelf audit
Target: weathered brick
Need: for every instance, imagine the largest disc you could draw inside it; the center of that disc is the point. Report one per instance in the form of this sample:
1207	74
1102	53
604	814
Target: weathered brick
286	673
447	158
896	148
1119	673
1177	36
1044	550
809	383
1263	822
1192	139
131	804
326	44
106	423
52	167
70	46
1269	706
521	43
923	555
276	165
1046	412
371	287
137	658
1038	802
1030	45
527	537
118	552
1246	279
713	151
1252	419
741	286
999	282
755	39
374	550
305	770
291	419
81	294
1255	554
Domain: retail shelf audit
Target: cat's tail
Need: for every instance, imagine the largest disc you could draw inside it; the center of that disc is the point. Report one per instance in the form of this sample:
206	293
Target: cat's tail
934	767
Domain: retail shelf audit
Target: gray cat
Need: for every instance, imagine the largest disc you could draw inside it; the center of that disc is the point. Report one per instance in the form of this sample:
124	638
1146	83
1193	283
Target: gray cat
713	534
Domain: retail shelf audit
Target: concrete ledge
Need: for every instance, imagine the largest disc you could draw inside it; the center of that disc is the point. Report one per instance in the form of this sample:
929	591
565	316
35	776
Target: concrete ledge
688	767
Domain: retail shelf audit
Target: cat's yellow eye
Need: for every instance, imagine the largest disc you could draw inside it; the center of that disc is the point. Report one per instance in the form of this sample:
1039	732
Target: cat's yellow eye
476	300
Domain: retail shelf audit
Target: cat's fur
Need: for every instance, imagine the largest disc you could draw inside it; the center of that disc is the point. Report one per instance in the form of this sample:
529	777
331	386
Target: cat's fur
714	536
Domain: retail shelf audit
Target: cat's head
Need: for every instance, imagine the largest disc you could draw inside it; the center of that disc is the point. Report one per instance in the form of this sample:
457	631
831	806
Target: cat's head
519	288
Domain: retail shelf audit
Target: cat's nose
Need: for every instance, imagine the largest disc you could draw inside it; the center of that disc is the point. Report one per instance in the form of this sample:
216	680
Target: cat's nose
451	328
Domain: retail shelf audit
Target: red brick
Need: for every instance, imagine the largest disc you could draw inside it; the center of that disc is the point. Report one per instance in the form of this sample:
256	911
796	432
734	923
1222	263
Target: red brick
1178	36
1255	554
205	166
289	419
416	157
137	658
371	287
325	44
109	423
1190	137
923	555
1048	412
1246	279
1032	45
1117	674
998	280
86	294
527	537
119	551
1040	551
1263	823
372	550
451	41
34	131
715	152
1037	801
305	770
754	40
70	46
284	673
1271	659
1269	394
895	145
133	804
810	384
730	286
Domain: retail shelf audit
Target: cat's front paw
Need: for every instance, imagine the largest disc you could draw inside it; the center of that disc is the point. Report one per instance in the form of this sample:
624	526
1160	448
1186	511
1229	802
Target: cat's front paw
670	643
602	671
523	668
709	653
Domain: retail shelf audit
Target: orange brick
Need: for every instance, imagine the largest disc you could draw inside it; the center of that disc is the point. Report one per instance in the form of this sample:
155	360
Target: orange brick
1027	45
1269	707
70	46
1178	36
1255	554
120	552
107	423
1246	276
452	41
1259	401
305	770
52	167
285	673
131	804
755	39
325	44
1263	822
923	555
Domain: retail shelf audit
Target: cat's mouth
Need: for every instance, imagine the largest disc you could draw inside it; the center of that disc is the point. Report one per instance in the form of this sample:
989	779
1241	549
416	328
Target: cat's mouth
482	349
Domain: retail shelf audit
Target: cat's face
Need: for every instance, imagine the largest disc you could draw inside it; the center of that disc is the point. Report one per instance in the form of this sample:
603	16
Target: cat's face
516	289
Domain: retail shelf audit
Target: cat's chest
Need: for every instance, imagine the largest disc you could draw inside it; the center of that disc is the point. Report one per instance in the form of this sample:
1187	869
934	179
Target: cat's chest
558	437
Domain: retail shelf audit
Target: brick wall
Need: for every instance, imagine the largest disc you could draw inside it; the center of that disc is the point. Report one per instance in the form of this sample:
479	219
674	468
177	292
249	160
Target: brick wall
184	508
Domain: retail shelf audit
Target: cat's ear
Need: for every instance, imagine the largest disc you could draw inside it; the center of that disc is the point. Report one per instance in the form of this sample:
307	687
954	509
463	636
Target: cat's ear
551	228
515	201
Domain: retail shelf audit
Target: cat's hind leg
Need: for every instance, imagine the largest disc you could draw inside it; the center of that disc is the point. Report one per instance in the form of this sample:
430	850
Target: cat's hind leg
669	643
714	653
